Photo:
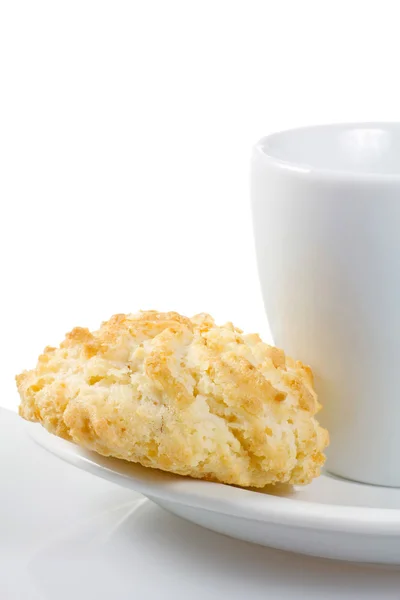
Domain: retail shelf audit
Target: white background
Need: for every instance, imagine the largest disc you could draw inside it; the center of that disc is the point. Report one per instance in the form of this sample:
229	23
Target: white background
125	136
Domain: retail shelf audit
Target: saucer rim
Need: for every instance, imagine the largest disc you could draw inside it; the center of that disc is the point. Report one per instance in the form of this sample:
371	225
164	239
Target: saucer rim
220	498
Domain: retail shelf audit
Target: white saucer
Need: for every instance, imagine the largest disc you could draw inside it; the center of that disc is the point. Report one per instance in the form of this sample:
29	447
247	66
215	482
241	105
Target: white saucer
330	518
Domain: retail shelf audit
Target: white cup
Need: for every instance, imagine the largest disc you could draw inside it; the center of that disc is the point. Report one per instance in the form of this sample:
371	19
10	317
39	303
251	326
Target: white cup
326	211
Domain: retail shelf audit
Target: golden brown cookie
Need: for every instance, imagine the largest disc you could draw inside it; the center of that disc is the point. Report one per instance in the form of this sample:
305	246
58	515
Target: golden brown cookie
182	395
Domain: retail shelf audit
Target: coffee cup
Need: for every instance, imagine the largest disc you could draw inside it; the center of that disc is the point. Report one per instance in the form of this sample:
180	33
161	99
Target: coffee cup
326	214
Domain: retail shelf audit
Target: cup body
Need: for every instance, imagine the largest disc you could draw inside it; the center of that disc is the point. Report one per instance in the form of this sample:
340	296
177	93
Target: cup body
327	234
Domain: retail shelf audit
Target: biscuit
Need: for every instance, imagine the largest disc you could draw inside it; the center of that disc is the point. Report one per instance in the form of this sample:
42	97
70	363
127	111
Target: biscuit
182	395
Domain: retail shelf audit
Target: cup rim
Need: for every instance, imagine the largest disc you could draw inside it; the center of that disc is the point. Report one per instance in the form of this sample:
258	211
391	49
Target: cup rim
264	150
